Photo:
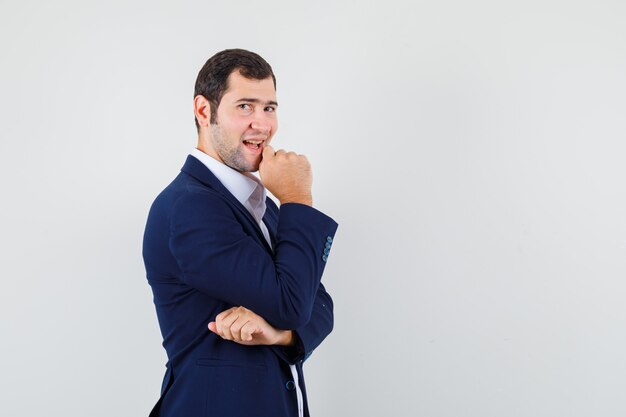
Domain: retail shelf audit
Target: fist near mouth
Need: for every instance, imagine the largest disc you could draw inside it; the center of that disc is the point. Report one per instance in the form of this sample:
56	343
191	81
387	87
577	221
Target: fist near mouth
287	175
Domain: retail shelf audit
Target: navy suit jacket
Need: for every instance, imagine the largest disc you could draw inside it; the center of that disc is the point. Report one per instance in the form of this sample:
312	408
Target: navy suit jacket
205	253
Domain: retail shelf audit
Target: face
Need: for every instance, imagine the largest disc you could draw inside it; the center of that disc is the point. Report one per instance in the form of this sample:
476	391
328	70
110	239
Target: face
246	121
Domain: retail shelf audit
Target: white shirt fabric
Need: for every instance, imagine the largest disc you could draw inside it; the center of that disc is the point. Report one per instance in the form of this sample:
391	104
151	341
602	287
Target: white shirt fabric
249	191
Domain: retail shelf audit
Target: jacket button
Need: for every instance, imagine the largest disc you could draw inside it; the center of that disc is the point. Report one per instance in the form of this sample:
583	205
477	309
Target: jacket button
329	239
326	251
324	258
290	385
328	245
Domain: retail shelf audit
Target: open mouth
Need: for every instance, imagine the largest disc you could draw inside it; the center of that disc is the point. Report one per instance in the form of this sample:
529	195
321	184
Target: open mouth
253	144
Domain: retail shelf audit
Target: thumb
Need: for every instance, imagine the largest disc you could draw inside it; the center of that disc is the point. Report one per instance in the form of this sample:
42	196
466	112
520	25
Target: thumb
212	327
268	151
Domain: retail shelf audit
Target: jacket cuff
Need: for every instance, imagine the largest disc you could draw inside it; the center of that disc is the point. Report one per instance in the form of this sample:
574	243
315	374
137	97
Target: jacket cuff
291	354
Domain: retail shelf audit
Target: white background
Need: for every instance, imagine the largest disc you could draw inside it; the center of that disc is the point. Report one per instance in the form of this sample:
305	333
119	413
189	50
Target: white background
472	152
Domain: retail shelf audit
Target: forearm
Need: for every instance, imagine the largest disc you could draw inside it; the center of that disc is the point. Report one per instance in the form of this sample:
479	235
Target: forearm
221	265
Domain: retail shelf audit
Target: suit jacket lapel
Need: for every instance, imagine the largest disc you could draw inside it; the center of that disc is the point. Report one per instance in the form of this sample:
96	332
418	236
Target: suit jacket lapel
199	171
271	219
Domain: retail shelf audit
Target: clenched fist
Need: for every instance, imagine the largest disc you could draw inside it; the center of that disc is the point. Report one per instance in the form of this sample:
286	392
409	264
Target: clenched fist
287	175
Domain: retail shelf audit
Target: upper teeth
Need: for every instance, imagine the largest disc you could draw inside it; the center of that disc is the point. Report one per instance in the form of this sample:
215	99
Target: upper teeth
254	142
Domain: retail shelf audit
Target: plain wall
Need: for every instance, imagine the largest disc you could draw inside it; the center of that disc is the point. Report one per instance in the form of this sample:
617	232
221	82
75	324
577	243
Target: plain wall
472	153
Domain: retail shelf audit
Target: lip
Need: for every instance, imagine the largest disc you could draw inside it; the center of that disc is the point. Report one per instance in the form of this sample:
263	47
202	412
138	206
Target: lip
261	138
254	150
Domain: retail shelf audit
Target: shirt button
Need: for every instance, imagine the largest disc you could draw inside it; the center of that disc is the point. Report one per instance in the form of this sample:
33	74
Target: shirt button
290	385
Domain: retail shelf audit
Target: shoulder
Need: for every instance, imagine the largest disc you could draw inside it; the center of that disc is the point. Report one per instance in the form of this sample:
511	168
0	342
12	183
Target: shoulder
198	198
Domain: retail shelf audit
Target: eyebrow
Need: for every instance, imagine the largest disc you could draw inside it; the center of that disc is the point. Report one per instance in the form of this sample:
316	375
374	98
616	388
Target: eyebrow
256	100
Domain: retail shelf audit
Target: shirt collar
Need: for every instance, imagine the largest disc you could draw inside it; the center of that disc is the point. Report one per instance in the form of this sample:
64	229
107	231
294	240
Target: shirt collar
246	188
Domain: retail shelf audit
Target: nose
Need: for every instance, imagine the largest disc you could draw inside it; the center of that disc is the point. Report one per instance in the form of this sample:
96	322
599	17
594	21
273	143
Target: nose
261	123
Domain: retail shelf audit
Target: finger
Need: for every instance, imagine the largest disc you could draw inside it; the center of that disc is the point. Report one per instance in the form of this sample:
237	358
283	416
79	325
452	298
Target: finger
227	324
225	313
223	325
268	151
280	152
249	330
218	320
235	328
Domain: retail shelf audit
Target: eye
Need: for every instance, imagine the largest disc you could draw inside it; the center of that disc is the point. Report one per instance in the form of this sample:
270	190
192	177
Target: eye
245	106
270	109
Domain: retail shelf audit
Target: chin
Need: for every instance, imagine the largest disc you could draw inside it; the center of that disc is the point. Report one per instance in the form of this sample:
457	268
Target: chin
254	166
242	164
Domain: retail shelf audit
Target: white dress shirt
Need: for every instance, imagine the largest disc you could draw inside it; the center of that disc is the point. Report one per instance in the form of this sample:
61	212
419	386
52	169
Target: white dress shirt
249	191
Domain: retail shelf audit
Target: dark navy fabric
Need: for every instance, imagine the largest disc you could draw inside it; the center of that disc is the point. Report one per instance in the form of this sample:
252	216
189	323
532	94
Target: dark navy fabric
203	254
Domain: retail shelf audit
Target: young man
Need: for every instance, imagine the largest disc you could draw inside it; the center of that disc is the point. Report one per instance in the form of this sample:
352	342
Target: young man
236	281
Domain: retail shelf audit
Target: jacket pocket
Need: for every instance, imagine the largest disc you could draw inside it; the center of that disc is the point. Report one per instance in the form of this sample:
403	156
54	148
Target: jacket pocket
235	388
220	363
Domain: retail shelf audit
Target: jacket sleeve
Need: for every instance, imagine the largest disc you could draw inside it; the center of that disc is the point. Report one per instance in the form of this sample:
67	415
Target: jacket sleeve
216	256
311	335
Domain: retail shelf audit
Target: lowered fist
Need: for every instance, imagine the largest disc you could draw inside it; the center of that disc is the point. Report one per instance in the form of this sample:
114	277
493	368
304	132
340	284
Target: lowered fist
248	328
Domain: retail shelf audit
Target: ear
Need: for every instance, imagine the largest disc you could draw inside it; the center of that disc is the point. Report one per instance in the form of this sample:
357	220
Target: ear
202	110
